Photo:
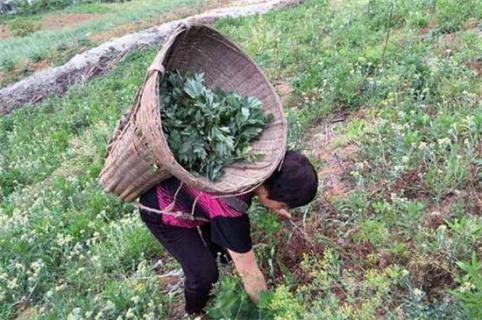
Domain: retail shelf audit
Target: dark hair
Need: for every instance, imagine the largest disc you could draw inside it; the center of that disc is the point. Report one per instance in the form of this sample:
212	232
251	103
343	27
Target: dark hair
295	183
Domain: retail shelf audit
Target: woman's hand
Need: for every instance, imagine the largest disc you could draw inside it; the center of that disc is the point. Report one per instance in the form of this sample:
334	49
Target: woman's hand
283	213
253	279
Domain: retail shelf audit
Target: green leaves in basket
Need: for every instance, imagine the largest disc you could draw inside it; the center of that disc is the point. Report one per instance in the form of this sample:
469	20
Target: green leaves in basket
207	130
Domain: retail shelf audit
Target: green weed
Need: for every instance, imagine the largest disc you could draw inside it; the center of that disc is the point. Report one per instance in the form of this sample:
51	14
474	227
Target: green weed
21	27
44	42
413	104
470	290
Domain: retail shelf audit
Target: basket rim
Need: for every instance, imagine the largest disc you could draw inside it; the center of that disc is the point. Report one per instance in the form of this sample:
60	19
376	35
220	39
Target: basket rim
157	71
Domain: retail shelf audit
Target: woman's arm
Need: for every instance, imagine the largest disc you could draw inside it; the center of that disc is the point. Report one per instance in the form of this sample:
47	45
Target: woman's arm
253	279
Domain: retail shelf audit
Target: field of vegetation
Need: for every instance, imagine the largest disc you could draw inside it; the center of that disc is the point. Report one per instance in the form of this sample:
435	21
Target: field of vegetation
385	97
49	35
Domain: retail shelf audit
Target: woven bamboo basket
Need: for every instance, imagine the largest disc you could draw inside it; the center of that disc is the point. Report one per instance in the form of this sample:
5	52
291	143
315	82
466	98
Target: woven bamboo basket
138	156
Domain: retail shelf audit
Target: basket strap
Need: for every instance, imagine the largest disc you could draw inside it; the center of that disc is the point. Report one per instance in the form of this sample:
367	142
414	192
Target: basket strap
176	214
231	200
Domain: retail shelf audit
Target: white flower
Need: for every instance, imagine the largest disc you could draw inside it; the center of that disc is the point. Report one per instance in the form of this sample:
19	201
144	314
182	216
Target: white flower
37	265
443	141
60	287
99	316
49	293
109	305
442	227
149	316
64	240
75	314
130	314
135	299
3	276
12	284
417	292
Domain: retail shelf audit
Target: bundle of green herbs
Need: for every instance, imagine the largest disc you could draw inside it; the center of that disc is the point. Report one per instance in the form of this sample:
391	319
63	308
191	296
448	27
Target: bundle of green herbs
207	130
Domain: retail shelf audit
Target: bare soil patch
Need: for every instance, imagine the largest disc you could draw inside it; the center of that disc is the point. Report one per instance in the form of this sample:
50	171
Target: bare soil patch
425	30
52	22
4	32
436	213
27	313
284	90
22	69
475	65
40	65
432	278
337	160
135	26
408	184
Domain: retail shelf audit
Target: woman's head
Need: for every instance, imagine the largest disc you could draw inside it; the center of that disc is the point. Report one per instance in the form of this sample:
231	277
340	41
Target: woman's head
293	185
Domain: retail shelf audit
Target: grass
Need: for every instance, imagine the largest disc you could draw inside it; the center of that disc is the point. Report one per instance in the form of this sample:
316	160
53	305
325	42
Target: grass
18	55
403	244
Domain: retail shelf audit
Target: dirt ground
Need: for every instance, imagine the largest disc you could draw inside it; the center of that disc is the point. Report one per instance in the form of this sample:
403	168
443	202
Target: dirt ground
4	32
62	20
53	22
135	26
336	160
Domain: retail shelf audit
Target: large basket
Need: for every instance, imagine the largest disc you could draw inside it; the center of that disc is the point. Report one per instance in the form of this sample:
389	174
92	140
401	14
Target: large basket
138	156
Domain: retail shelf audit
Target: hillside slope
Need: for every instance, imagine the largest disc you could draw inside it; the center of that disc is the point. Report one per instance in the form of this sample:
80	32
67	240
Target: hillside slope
386	100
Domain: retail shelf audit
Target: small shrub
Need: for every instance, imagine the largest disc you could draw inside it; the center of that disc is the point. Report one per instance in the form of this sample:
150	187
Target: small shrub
372	231
470	290
280	304
451	14
8	64
32	7
21	27
37	56
230	301
93	7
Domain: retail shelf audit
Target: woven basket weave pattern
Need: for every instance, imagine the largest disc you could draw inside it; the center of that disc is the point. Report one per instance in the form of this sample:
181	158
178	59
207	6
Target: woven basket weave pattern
138	156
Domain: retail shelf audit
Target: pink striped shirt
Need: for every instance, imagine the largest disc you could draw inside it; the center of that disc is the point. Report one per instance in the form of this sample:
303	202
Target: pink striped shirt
205	204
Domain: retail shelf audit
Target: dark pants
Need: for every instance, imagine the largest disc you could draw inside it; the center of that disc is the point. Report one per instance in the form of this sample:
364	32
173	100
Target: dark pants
196	254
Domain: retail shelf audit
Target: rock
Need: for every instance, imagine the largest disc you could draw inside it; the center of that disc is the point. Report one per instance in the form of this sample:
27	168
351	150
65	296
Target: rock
8	7
11	7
